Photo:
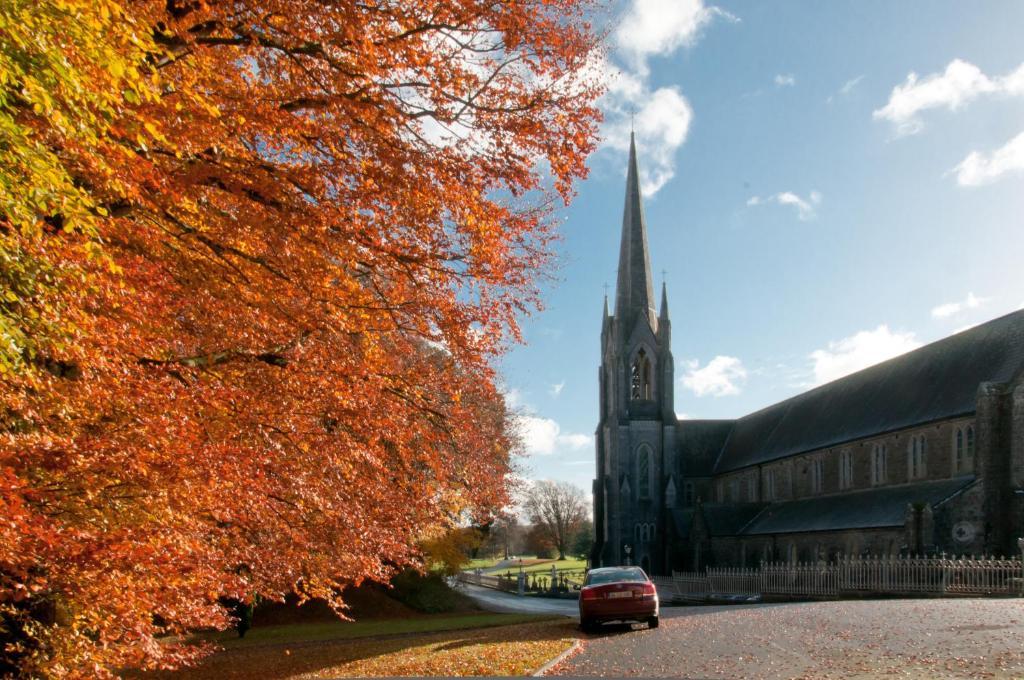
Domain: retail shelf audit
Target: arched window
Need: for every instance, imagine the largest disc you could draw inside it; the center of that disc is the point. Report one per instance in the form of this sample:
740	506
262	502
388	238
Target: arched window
879	463
963	453
845	469
958	456
640	377
769	484
915	457
643	472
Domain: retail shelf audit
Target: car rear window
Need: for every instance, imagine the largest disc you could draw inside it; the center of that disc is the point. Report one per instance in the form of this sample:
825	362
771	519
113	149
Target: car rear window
633	574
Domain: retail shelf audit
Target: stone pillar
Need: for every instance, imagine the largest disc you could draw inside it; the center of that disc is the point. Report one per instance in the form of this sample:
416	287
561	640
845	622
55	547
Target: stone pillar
910	528
1016	515
992	463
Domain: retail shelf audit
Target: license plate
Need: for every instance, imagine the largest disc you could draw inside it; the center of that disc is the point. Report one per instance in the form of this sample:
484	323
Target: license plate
620	593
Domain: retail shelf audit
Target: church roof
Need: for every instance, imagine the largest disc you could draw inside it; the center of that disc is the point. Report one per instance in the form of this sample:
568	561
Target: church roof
873	508
729	519
702	440
935	382
633	289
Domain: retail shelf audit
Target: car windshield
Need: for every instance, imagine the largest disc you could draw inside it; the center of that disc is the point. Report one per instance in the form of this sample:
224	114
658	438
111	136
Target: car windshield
629	574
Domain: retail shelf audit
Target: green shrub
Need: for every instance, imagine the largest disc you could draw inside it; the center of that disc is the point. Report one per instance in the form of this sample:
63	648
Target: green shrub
424	592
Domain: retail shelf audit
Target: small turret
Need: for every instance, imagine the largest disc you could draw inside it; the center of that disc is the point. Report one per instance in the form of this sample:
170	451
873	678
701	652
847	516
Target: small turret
663	314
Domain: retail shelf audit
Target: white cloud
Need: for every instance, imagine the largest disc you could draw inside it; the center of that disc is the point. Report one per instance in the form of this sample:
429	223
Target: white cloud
806	209
846	88
556	389
949	309
858	351
544	436
661	116
722	376
660	27
961	83
661	124
978	168
785	80
541	436
513	399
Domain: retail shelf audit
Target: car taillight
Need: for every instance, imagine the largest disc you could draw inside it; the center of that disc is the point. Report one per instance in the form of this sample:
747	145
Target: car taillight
649	592
588	594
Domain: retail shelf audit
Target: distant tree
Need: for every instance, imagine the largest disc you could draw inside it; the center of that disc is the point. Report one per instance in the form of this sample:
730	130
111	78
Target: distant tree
537	542
504	536
558	509
584	542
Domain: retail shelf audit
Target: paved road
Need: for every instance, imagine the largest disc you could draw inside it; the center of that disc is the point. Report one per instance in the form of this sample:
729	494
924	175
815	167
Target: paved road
965	638
498	601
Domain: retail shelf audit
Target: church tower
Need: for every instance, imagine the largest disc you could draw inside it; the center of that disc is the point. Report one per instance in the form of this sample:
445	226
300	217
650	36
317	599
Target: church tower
636	431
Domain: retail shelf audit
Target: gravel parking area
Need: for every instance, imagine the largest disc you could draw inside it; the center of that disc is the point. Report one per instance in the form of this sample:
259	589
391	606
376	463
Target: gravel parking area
961	638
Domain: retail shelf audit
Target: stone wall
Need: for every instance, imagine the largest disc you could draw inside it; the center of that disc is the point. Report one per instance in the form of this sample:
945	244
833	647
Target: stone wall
793	476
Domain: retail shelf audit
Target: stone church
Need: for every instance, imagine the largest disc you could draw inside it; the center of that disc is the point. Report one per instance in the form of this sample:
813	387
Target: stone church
920	454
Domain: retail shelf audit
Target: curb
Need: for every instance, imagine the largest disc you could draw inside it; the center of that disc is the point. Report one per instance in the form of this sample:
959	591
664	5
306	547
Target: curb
576	646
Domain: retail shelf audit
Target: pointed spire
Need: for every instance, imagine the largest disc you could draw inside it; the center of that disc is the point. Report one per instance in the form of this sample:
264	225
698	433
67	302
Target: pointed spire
663	315
634	294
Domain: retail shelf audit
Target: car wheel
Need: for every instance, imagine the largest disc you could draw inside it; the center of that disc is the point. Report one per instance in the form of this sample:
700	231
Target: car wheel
652	622
586	626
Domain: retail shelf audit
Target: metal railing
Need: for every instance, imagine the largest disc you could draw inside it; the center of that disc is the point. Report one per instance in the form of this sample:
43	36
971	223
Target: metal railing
854	575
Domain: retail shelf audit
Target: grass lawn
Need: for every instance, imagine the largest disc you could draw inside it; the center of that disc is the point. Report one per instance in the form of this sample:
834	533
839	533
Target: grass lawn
477	644
350	630
483	563
543	567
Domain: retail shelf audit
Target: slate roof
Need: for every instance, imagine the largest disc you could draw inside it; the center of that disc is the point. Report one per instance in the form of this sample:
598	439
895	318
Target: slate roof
934	382
729	519
882	507
702	440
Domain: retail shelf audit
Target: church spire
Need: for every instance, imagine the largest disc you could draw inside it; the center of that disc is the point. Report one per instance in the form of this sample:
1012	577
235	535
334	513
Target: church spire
634	293
663	315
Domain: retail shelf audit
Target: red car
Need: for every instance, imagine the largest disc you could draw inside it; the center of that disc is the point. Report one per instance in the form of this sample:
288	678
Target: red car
617	594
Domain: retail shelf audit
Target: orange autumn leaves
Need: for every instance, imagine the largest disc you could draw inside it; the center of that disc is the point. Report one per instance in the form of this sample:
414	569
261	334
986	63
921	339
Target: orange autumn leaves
260	357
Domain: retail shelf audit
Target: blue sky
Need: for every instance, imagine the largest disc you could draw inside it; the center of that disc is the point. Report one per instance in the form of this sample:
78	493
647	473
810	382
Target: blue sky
829	184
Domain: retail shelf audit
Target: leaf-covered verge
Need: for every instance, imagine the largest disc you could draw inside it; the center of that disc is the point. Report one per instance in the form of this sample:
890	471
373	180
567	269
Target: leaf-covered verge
257	260
502	650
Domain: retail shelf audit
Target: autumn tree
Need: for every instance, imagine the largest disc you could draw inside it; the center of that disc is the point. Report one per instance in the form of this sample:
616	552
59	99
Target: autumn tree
259	258
558	510
537	542
448	552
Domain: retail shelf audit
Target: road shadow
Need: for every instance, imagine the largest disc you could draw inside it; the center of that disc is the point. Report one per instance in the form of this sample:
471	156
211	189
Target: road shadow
614	629
286	660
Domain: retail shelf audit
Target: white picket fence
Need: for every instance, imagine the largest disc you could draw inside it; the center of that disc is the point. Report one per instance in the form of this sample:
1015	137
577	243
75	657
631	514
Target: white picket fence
852	576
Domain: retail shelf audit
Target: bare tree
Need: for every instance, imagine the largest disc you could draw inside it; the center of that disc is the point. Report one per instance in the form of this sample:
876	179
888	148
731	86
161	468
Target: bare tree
505	536
558	509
